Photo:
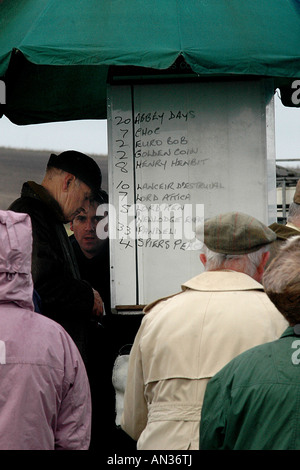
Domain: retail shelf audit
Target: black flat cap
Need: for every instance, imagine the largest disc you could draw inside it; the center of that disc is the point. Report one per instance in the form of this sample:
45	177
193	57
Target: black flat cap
82	166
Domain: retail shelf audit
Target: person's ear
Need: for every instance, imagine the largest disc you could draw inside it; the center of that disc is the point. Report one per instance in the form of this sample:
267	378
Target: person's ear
261	267
203	259
67	180
71	226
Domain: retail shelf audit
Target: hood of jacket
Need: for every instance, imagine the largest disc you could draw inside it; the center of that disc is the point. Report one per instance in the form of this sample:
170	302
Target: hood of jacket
15	259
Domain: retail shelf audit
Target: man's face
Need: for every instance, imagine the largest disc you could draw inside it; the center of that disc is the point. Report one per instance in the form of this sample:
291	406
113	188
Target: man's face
77	200
84	227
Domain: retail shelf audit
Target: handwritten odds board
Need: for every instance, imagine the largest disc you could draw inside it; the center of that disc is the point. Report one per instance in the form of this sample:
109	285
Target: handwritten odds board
179	153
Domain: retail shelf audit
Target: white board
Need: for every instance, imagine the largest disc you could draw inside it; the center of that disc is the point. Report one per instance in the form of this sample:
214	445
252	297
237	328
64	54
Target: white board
197	149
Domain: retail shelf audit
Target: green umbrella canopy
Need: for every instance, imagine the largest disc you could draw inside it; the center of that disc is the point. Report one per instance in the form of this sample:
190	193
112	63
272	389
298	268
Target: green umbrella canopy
57	56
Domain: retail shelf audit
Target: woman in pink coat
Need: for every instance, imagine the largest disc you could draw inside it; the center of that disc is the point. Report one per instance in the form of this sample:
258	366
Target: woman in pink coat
44	390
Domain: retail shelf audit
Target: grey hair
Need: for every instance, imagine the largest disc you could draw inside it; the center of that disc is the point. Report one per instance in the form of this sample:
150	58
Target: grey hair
294	212
281	280
249	261
52	171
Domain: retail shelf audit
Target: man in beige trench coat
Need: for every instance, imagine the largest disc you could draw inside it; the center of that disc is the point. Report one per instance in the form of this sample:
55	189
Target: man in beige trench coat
187	338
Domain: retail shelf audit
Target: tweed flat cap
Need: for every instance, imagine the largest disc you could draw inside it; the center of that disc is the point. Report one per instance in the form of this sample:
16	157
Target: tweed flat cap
236	233
296	198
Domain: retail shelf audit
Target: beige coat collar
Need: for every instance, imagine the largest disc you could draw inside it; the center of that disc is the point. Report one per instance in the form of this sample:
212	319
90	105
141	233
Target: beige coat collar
220	281
215	281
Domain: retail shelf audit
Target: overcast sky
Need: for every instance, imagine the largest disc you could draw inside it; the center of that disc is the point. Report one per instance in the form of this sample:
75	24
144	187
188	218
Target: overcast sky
91	136
84	136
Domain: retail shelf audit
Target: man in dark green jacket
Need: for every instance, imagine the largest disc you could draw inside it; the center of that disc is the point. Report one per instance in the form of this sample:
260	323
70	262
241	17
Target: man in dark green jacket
253	402
72	179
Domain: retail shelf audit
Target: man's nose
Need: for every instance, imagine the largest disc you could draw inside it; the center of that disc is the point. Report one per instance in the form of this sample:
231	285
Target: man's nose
90	226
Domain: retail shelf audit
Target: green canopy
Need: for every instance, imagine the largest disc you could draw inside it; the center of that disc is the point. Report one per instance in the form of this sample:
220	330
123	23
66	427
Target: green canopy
57	55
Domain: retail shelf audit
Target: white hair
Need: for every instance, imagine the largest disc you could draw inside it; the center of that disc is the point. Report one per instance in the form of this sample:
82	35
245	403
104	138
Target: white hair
248	262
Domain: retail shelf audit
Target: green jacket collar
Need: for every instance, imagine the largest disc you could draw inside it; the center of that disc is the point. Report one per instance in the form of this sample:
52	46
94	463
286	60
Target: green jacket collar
288	332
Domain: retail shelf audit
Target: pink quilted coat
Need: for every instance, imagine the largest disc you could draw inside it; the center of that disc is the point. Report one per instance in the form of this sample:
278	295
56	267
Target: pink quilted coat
44	391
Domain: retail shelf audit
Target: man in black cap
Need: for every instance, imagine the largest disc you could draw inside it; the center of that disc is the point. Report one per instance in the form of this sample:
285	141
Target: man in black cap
188	337
71	181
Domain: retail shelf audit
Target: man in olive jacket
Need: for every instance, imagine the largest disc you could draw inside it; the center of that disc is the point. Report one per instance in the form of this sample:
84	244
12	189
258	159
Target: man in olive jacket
253	402
187	338
70	182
